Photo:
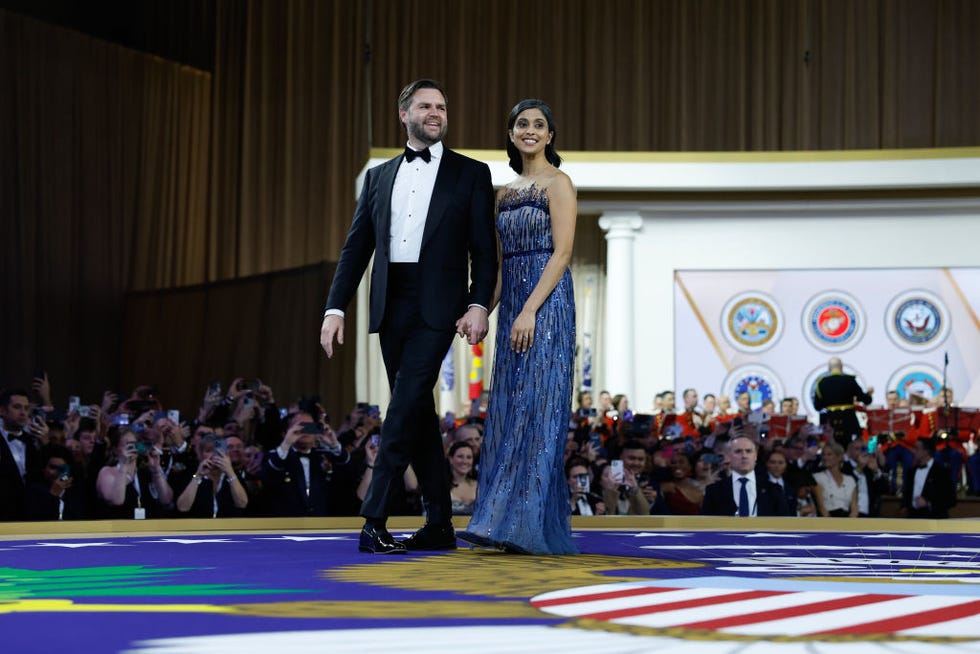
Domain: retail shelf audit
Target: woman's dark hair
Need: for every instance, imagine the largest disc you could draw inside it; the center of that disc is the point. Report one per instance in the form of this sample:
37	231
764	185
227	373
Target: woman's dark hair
115	434
549	150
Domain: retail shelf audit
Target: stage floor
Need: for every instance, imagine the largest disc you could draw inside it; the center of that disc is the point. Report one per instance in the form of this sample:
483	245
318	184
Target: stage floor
641	585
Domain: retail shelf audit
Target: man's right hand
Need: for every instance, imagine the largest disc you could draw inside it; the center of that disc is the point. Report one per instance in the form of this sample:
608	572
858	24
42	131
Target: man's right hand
333	326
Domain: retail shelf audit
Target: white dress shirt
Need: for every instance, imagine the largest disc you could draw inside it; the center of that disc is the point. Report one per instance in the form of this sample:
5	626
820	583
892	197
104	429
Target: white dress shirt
750	488
410	199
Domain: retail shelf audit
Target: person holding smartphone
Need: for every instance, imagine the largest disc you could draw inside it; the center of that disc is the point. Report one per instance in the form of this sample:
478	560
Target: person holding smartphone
215	490
53	496
580	497
299	473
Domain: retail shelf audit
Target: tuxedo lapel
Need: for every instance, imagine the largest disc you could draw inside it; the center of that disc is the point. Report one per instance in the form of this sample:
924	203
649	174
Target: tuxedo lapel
386	183
441	193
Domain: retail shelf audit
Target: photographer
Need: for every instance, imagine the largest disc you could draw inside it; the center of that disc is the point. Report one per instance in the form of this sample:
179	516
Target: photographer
298	473
132	484
622	491
54	496
215	490
582	501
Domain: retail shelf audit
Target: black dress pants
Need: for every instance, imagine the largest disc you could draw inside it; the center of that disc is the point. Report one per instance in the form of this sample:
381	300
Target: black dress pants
413	354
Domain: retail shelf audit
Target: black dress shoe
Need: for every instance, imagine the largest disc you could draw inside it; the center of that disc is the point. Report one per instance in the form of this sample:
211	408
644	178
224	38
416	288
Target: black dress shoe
432	537
379	541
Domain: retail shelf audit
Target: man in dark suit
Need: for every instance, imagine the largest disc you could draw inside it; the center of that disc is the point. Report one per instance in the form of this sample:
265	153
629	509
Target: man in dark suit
928	488
295	474
744	492
835	395
427	217
18	453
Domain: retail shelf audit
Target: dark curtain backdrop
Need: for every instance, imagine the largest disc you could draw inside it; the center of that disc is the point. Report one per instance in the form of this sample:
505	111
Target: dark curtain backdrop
125	172
104	190
262	326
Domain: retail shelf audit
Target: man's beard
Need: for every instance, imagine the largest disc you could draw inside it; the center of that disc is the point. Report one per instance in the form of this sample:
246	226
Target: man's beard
417	131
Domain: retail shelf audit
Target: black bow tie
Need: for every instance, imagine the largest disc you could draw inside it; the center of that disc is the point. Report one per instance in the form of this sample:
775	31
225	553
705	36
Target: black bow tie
24	438
410	154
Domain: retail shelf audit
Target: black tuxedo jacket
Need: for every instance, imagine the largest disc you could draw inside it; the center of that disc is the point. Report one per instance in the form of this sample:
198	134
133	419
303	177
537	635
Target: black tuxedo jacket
458	232
284	484
938	491
719	498
13	490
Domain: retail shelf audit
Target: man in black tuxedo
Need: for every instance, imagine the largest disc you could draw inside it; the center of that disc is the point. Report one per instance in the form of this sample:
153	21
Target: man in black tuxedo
295	474
927	491
755	496
427	217
18	453
835	395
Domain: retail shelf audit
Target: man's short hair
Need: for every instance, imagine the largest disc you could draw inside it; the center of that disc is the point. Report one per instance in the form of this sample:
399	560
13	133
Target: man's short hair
8	393
405	97
633	445
928	444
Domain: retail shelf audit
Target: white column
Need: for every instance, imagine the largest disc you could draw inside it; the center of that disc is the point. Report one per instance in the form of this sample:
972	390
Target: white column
619	346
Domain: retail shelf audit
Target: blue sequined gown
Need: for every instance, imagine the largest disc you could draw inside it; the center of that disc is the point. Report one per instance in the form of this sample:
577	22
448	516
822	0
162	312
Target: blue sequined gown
522	497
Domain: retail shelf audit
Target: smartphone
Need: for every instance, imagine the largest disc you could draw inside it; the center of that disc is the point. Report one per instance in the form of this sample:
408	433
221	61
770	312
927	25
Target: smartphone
283	412
73	403
617	470
596	441
311	428
582	481
375	440
64	472
214	387
83	411
374	411
221	445
174	416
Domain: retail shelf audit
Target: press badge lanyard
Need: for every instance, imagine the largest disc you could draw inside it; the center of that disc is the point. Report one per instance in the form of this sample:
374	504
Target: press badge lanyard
139	513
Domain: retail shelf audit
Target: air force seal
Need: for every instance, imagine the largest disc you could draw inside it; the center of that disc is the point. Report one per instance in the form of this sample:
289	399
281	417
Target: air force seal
917	321
833	321
760	382
751	322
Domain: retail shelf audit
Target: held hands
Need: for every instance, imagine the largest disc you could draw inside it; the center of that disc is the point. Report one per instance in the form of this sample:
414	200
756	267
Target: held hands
522	332
333	326
474	325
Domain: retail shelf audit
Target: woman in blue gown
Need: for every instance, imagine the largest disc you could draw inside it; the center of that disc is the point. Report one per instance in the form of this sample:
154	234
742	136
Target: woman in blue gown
522	498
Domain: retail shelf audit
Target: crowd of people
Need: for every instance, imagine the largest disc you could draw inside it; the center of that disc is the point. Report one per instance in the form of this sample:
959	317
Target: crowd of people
244	454
241	454
690	460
